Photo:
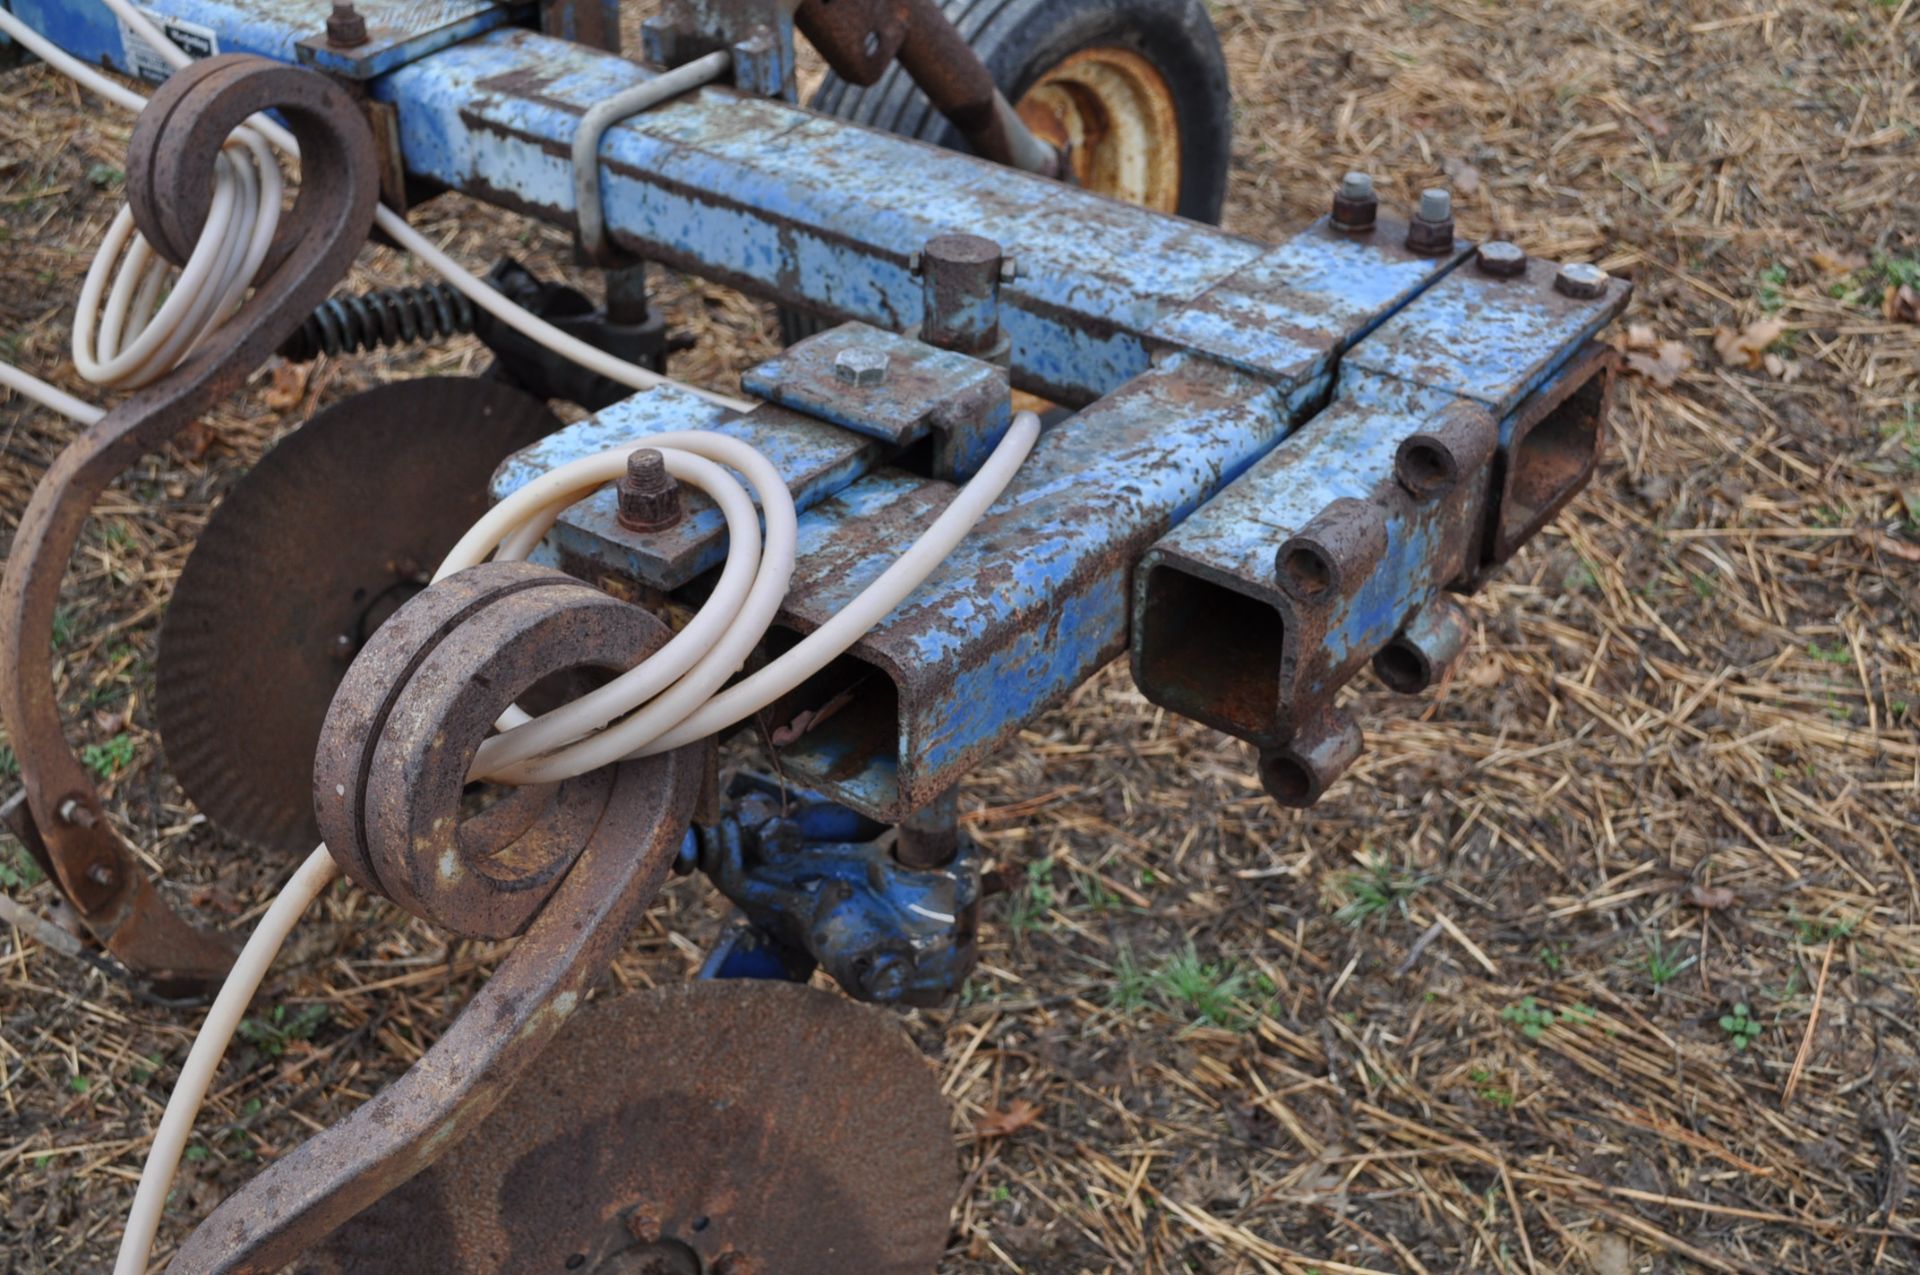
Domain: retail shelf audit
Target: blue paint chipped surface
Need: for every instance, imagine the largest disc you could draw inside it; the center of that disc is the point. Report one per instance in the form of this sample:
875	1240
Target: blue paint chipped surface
1034	601
1490	340
815	458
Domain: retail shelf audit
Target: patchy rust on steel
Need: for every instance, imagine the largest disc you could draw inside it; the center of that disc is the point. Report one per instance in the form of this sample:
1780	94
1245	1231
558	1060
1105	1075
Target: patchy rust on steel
321	542
169	183
733	1125
390	777
499	1038
858	38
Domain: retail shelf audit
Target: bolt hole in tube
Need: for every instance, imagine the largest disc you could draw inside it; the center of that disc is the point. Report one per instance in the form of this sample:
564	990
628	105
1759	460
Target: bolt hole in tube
668	700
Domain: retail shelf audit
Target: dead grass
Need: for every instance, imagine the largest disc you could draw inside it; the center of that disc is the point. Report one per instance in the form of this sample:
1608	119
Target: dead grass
1465	1015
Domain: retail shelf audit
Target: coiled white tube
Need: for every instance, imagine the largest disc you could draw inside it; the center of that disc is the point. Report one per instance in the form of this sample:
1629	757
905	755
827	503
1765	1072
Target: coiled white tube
668	696
137	338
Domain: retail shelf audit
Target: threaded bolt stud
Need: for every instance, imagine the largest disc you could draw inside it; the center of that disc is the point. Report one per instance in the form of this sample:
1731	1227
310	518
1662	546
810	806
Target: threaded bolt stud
1355	206
649	497
346	29
1430	233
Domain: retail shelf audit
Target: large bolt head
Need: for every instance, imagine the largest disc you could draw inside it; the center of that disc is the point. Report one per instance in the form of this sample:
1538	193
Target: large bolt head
862	367
1581	280
1502	260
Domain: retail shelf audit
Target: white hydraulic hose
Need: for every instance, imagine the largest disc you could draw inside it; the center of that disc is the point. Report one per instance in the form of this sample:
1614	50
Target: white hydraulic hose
573	739
140	326
127	336
209	1047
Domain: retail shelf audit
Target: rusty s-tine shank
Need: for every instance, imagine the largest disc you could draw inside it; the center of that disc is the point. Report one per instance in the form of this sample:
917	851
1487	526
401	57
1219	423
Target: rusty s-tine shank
573	867
169	181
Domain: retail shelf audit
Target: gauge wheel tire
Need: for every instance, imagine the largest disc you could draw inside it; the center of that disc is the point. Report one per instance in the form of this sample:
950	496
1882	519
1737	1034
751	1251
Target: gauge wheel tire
1141	85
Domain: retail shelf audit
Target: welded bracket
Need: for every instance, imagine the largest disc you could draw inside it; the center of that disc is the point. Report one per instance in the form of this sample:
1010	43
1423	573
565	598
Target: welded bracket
893	388
759	34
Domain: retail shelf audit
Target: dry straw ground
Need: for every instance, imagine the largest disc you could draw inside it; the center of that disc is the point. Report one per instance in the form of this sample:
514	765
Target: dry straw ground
1479	1011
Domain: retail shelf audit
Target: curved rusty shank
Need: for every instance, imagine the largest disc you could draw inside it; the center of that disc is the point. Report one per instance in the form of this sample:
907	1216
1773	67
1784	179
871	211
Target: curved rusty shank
170	165
301	1199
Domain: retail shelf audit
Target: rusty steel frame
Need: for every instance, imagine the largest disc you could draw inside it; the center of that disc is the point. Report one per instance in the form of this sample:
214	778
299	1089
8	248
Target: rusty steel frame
169	183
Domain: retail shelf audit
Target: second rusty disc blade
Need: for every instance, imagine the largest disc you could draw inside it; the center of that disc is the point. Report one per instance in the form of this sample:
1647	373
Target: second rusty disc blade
335	527
695	1129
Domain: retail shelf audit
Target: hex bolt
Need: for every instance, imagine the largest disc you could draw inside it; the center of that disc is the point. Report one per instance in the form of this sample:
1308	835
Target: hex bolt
346	29
861	367
1355	206
1501	259
648	497
1580	280
1430	233
102	874
77	813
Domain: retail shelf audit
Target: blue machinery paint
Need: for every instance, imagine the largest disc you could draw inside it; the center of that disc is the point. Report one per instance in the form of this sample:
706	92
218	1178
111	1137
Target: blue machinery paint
1233	394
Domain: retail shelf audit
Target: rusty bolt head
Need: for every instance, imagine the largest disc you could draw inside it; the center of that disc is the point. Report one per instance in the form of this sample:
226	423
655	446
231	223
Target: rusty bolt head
1355	206
346	29
861	367
648	496
1580	280
1431	230
1501	259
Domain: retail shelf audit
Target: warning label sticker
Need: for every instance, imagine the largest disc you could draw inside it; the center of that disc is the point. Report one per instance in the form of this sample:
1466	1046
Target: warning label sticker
193	39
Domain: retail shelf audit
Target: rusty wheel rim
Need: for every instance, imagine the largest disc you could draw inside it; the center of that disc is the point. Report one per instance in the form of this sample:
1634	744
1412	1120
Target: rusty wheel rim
1115	113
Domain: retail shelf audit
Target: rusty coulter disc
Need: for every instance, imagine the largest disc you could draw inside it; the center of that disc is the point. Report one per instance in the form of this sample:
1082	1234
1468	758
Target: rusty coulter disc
325	538
695	1129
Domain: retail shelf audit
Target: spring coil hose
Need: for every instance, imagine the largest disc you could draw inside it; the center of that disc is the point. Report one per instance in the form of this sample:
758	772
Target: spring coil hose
356	322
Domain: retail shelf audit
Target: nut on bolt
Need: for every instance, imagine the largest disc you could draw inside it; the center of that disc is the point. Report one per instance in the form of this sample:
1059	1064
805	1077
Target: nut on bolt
1355	206
648	496
861	367
1580	280
1430	233
346	29
1501	259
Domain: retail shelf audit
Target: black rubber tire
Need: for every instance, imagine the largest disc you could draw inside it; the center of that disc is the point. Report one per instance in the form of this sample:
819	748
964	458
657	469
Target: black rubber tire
1020	40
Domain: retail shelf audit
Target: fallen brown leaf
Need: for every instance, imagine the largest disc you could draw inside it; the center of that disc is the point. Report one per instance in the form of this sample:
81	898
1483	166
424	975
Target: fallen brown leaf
1710	898
289	385
1901	304
1748	346
1641	336
1895	547
1016	1116
1669	362
1837	262
192	442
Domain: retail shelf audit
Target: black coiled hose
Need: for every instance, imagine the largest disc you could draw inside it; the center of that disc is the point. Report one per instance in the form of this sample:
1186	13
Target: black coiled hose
353	323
